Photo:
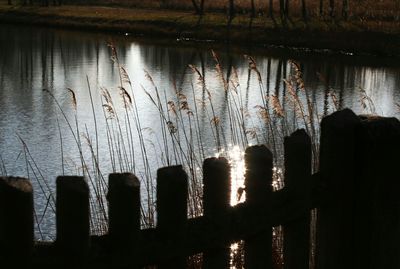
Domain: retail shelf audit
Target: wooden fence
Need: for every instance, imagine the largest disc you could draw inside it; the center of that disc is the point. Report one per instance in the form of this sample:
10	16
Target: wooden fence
356	193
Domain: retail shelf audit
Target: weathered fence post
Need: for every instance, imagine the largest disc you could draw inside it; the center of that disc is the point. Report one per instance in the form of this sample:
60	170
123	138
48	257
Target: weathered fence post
16	220
258	180
335	245
377	208
124	215
72	218
172	195
297	183
216	203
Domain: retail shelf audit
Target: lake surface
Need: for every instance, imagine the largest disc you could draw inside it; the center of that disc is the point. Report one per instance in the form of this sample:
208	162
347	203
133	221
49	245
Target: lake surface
181	104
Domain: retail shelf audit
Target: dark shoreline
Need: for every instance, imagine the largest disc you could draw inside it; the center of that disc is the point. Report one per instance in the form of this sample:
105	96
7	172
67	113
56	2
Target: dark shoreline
345	42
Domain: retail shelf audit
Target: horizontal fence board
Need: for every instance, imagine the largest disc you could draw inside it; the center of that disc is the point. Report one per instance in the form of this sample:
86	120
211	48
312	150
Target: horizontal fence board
202	233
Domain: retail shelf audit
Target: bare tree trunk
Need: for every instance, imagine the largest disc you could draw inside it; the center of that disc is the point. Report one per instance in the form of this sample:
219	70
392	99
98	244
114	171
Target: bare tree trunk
231	9
196	7
321	8
287	9
9	2
201	7
345	9
271	8
253	9
163	3
304	9
282	9
332	8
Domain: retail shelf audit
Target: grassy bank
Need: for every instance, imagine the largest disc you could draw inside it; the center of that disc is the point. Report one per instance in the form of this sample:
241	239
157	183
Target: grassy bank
373	36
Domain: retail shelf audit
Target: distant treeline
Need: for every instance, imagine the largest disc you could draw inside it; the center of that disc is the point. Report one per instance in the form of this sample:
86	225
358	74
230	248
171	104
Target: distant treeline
383	10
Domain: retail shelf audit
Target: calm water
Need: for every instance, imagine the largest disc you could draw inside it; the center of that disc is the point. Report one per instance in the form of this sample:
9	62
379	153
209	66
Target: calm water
34	59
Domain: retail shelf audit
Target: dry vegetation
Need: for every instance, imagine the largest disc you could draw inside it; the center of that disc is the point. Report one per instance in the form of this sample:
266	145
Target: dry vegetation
182	141
386	10
369	27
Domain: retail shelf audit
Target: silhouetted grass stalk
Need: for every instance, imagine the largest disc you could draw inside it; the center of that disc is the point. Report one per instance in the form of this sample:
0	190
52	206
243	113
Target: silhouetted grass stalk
181	139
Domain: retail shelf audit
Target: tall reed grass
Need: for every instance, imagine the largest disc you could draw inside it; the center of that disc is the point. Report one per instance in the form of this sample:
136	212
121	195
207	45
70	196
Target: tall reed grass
182	119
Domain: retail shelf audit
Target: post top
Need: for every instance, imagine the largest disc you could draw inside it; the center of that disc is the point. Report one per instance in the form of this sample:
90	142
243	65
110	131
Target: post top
341	118
170	171
72	183
126	179
258	153
17	183
216	161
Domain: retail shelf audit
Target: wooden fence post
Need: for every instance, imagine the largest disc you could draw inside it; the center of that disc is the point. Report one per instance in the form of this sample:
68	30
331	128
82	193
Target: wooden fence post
297	183
216	203
16	220
335	245
72	218
124	215
377	208
258	180
172	195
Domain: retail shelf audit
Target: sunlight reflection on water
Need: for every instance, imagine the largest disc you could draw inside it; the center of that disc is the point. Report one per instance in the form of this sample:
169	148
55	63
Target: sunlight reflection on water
235	155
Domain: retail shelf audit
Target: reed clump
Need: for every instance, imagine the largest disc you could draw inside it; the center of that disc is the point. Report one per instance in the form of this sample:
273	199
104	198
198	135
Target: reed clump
191	128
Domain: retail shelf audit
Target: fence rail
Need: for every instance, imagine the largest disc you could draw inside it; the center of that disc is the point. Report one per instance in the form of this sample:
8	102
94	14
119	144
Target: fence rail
356	194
